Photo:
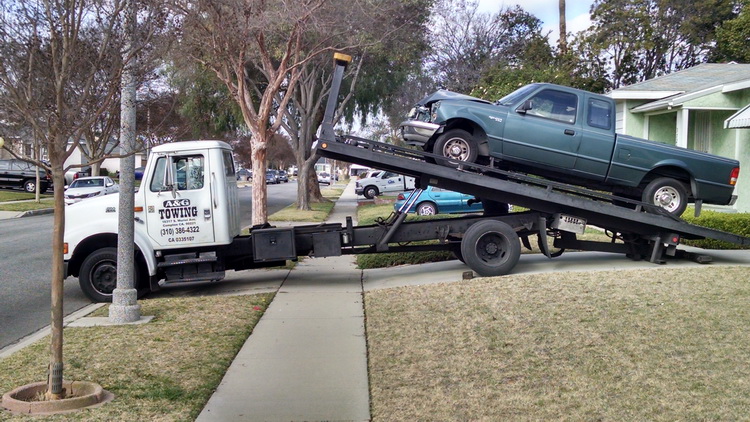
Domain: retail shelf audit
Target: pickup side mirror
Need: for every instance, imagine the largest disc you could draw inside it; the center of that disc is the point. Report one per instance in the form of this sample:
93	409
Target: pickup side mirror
526	106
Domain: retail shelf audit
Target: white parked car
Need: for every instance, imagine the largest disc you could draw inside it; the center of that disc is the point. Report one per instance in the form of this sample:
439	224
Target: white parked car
89	187
324	177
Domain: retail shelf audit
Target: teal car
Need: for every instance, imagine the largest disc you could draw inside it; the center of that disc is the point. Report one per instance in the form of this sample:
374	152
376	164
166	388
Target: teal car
435	200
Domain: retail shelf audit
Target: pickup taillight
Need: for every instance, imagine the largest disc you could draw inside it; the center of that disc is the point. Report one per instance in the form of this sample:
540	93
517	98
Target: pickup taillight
734	176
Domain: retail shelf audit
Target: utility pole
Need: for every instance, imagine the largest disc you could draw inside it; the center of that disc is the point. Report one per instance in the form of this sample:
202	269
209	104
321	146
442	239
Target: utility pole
125	307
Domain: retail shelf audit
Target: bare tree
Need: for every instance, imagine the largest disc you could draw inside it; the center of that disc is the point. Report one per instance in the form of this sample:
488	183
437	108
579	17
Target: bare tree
60	68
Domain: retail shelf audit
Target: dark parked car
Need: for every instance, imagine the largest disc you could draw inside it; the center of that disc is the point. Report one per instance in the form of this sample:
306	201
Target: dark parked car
282	175
22	175
139	172
271	177
244	175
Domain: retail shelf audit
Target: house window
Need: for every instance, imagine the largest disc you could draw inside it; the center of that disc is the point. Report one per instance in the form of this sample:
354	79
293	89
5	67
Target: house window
600	114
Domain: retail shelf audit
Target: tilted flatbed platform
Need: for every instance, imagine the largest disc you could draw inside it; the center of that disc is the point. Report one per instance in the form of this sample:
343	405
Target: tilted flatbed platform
646	231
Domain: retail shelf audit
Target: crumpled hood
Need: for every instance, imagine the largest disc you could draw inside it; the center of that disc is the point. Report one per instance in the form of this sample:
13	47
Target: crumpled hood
444	94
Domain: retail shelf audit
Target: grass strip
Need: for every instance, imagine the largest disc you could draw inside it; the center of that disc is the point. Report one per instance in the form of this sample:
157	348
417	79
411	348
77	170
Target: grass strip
657	344
165	370
7	195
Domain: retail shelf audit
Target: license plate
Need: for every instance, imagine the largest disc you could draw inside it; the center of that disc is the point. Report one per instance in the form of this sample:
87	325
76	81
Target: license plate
568	223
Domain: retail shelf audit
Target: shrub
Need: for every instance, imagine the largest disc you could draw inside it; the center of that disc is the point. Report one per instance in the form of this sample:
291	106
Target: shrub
732	223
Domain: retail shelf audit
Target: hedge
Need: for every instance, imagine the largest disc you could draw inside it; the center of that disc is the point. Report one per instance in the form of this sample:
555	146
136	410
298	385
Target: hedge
738	223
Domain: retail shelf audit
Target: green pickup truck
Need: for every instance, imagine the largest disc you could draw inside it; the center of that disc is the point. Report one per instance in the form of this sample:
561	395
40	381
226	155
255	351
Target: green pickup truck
568	135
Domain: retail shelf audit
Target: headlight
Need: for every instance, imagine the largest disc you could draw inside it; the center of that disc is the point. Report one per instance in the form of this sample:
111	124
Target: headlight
433	114
412	113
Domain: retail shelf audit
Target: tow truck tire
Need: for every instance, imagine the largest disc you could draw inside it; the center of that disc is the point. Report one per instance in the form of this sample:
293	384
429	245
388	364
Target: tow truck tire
491	248
668	193
98	275
458	145
427	208
370	192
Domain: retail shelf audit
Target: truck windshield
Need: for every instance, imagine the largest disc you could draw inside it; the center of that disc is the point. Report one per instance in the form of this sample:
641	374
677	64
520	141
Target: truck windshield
516	95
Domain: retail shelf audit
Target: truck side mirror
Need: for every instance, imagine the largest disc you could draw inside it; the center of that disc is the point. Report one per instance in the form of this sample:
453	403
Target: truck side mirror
526	106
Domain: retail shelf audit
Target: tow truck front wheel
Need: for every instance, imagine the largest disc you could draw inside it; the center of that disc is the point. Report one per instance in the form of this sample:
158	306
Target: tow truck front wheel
98	276
490	248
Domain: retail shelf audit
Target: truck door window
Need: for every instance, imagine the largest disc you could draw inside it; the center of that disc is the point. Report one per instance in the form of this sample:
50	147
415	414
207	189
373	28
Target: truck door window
600	114
228	164
187	170
555	105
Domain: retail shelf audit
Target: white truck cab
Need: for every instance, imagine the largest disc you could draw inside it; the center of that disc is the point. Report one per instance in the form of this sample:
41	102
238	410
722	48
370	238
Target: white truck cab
381	181
187	200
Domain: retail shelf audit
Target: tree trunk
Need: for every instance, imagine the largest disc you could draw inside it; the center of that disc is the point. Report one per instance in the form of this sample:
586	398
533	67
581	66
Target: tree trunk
563	42
260	195
55	372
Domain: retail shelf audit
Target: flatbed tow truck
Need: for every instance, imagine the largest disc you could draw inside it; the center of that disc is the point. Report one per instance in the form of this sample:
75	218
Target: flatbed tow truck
186	234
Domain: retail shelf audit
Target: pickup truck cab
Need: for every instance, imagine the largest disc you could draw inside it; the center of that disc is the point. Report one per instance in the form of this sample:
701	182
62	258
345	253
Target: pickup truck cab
568	135
378	182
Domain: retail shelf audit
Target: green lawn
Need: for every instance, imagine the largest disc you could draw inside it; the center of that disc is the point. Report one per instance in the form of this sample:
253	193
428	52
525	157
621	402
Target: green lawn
165	370
660	344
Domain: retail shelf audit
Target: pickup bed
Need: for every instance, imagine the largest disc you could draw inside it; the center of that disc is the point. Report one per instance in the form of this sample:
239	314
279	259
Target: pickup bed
568	135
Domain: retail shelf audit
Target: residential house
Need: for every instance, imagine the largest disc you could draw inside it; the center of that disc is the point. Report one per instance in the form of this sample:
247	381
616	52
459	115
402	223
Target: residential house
703	108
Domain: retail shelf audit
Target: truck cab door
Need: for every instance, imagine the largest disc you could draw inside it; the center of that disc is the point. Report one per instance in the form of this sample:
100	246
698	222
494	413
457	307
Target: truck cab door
392	182
544	130
178	201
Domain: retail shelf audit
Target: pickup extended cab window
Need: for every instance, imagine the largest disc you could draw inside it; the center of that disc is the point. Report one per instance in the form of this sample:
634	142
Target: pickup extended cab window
555	105
600	113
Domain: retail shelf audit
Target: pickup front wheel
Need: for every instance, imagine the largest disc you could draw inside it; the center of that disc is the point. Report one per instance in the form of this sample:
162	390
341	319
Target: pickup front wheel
668	193
370	192
458	146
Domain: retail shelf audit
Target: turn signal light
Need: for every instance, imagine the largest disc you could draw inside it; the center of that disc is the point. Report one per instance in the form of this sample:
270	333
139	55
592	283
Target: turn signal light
138	209
734	176
65	248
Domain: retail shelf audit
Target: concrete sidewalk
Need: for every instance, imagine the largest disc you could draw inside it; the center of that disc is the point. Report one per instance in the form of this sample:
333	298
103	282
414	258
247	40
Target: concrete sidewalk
307	357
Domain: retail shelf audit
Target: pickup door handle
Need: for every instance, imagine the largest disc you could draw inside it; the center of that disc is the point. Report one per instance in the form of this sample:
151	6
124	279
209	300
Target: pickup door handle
570	132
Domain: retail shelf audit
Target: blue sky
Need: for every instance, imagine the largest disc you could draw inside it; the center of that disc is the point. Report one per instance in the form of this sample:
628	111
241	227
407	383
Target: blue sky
577	13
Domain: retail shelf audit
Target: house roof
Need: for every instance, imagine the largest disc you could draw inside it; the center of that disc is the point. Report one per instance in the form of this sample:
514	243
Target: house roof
740	119
676	88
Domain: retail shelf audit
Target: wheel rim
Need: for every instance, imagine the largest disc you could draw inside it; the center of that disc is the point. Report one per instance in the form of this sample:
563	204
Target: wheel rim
668	198
30	187
457	149
104	277
492	248
426	210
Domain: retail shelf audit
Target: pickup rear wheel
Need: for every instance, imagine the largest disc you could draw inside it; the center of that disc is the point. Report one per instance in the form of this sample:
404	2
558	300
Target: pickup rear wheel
98	276
668	193
491	248
370	192
458	145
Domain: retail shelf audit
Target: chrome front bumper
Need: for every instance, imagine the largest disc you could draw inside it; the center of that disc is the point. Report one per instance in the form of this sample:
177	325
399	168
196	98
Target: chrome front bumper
417	132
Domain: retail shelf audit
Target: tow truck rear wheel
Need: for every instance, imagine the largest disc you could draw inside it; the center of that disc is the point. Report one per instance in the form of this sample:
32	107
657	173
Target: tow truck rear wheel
490	248
458	145
668	193
98	276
